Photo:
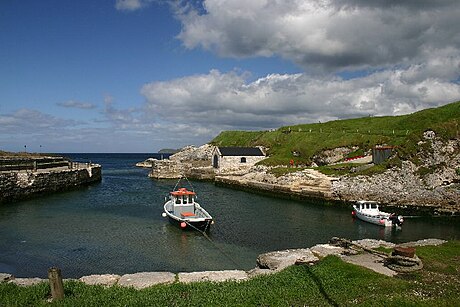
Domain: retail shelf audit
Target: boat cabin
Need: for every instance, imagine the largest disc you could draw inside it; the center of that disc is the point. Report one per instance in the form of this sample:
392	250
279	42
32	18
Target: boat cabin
368	206
184	202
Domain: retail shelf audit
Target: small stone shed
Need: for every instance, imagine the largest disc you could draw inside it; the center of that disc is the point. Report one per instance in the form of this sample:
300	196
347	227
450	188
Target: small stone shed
381	153
235	157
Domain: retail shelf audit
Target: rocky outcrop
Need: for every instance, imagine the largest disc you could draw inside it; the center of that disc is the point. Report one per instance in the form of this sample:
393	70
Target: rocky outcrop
194	155
306	183
432	185
330	156
280	260
190	161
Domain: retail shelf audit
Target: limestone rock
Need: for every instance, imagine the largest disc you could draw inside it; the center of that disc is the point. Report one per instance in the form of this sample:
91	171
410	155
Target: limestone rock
193	153
279	260
373	243
27	281
5	277
258	271
146	279
104	280
323	250
214	276
424	242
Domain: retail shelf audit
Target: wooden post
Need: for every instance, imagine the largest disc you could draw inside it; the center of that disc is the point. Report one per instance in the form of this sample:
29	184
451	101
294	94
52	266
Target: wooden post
57	288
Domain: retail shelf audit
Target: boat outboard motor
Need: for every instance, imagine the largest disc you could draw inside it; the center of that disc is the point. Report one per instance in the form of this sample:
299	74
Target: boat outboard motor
396	220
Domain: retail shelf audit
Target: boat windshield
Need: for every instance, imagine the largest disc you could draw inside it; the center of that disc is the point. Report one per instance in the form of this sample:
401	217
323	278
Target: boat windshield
184	199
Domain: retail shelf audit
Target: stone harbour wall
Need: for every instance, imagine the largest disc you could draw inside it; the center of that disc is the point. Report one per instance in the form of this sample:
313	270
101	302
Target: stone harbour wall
19	185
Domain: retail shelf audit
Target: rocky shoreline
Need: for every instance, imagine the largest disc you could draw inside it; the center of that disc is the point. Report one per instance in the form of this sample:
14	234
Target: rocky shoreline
268	263
432	187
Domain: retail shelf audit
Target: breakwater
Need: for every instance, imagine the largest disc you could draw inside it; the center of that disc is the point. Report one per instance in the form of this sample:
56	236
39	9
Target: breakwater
23	184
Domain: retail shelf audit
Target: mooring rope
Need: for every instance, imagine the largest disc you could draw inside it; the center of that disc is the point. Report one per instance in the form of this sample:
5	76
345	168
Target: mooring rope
188	181
212	242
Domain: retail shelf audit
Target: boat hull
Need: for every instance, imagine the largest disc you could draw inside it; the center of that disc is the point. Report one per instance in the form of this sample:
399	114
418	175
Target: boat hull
378	218
190	225
200	219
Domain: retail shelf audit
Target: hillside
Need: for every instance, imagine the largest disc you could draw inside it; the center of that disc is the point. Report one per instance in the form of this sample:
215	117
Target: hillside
303	142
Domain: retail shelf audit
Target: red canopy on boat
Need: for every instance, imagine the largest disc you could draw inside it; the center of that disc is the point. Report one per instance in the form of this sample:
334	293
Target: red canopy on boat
182	191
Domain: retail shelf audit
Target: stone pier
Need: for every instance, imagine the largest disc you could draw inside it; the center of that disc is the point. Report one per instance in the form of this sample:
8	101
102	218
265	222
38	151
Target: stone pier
24	184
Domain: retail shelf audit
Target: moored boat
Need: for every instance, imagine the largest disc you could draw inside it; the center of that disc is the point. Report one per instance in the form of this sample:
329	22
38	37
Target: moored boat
182	209
369	211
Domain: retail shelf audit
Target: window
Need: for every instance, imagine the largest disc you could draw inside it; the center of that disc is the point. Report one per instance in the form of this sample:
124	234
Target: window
243	160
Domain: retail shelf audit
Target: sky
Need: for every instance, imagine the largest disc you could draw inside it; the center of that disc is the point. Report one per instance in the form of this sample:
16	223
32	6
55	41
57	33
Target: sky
142	75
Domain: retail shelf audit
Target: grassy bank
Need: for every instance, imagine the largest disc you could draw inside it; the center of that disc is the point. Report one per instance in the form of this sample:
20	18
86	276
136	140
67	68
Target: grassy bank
310	139
330	282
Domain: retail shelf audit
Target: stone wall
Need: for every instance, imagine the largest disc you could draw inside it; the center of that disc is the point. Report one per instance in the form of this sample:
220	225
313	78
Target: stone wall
229	163
20	185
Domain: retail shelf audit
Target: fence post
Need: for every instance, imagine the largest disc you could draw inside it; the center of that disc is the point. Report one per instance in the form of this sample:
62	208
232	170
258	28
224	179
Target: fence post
57	288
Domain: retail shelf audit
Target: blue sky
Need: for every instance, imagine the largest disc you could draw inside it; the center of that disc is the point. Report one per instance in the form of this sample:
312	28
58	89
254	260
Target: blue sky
141	75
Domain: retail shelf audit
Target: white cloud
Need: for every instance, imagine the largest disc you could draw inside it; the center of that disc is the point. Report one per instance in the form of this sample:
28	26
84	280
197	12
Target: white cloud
76	104
131	5
28	121
326	34
217	101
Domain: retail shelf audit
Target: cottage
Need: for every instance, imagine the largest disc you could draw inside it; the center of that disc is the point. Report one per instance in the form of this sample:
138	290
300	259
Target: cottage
236	157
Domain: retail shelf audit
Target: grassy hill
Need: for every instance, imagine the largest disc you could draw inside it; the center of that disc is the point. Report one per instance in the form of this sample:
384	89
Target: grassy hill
310	139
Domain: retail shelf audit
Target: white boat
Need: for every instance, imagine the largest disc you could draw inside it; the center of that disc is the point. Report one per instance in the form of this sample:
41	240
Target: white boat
182	209
369	211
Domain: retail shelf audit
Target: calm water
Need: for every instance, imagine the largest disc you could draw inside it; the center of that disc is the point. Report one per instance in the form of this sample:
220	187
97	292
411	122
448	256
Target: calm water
116	227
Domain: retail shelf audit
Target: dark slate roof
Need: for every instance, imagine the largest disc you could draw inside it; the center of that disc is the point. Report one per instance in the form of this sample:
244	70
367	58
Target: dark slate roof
241	151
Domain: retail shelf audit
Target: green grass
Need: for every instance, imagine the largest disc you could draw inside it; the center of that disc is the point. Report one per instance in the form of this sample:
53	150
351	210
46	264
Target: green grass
310	139
329	282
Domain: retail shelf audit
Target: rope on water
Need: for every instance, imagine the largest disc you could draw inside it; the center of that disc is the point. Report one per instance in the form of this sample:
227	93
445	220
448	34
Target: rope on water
212	242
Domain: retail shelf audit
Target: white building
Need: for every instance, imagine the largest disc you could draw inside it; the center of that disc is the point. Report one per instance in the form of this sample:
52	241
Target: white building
236	157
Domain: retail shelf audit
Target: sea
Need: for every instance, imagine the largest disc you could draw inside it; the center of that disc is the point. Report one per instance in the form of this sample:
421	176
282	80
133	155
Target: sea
116	226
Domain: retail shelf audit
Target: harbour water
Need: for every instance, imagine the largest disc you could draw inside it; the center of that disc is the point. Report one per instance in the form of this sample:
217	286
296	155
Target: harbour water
116	227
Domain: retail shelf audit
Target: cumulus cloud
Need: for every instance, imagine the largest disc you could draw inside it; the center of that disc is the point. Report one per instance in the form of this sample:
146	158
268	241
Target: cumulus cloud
29	121
76	104
217	101
324	35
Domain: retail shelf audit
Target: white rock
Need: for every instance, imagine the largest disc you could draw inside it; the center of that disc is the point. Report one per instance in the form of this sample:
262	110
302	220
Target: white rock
105	280
214	276
146	279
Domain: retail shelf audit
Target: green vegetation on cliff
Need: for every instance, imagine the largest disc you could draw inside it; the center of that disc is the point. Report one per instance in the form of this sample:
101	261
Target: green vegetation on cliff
307	140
